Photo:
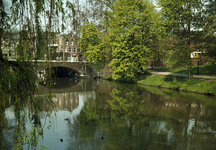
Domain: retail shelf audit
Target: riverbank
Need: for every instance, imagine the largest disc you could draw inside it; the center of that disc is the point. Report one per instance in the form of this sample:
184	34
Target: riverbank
201	86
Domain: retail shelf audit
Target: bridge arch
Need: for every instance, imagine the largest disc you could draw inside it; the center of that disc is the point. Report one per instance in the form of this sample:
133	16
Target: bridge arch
80	67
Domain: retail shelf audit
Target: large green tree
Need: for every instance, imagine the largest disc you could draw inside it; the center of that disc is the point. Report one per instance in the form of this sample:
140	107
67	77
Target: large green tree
131	26
130	29
183	19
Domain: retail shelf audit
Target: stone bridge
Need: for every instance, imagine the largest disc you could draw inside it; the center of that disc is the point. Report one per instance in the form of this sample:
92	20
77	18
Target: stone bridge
83	68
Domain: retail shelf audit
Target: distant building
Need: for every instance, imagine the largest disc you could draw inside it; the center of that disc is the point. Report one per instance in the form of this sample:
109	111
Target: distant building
66	45
196	54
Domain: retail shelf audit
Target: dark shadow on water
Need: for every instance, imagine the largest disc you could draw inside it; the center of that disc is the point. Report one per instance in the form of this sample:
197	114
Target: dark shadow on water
63	82
180	94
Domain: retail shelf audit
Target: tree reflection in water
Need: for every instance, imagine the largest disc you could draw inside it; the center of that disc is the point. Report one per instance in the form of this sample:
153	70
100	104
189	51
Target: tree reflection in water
23	114
134	118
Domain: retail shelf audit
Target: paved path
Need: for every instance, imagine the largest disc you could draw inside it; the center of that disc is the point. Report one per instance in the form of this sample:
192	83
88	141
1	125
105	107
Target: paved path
177	74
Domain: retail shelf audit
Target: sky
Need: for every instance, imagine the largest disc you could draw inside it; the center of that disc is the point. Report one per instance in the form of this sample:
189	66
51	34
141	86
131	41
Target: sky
44	21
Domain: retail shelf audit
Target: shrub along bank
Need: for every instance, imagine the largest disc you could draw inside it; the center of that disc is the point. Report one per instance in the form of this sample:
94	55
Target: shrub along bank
203	86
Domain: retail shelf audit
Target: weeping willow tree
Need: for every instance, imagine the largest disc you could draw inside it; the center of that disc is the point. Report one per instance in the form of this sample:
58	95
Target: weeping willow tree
94	11
38	22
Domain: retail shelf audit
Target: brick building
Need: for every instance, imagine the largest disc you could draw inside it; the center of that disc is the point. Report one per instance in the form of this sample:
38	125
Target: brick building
66	45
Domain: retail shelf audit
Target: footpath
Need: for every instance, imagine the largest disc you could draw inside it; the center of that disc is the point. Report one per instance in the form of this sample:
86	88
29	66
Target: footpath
177	74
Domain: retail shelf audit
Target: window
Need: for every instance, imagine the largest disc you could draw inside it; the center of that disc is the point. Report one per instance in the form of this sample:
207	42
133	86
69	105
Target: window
66	43
69	49
65	49
74	50
60	49
76	42
71	42
61	42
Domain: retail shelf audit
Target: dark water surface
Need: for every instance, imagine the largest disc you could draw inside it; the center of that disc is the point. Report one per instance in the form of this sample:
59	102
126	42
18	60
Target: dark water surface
101	115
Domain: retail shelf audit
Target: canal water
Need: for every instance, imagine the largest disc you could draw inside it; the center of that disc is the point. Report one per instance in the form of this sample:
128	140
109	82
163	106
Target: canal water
100	115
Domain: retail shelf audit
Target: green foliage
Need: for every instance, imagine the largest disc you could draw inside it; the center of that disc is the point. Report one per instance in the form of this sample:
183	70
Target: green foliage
131	29
183	21
176	58
93	45
121	105
210	11
127	104
130	25
18	82
210	28
30	138
209	70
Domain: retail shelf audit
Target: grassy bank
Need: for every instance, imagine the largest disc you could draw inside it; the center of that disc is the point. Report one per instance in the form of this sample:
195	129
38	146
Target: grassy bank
195	85
203	86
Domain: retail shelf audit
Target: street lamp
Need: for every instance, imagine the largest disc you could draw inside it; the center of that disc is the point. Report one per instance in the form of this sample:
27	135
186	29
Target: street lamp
198	60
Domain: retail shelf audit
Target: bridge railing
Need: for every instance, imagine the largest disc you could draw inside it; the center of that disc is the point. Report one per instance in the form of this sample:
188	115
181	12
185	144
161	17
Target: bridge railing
51	61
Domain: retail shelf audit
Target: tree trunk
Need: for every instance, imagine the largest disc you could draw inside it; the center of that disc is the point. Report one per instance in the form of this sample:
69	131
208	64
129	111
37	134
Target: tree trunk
1	53
49	54
190	76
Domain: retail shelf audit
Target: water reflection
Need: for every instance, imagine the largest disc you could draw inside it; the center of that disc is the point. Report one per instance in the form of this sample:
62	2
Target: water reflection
136	119
99	115
15	133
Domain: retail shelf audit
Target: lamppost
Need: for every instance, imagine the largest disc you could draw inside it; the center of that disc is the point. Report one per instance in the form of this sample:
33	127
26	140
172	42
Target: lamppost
198	59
